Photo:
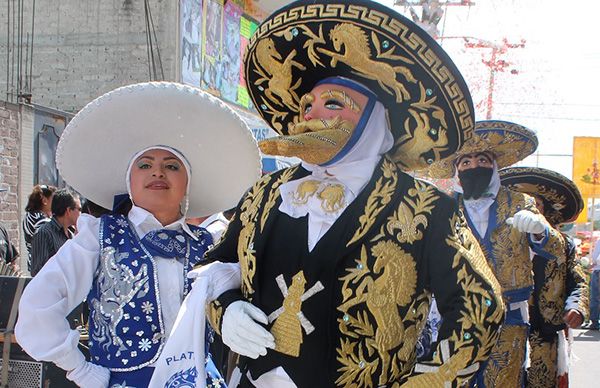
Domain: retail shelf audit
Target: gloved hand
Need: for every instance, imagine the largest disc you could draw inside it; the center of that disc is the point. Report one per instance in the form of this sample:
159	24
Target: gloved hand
241	332
527	222
88	375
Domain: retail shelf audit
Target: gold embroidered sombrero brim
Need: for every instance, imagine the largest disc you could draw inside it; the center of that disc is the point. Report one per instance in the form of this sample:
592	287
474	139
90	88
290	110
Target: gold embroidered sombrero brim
428	102
561	197
509	142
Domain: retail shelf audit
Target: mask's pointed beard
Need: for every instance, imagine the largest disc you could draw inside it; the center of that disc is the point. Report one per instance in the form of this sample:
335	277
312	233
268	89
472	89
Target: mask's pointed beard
475	181
315	141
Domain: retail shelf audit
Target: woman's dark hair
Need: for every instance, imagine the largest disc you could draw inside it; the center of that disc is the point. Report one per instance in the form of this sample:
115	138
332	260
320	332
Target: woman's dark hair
36	197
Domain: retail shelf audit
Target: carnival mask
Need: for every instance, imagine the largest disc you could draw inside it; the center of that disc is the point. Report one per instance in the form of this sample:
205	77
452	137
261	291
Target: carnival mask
329	116
475	181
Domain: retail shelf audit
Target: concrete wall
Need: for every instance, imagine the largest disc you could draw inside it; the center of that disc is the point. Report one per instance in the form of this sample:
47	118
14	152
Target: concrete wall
83	48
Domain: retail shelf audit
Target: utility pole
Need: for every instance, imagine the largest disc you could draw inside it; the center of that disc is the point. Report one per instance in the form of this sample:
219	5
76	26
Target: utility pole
496	63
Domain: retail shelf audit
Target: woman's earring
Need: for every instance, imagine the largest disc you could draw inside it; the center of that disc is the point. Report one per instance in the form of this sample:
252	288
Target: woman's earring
186	206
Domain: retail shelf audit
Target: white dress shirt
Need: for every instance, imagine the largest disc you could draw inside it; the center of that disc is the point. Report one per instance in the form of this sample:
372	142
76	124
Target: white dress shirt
65	281
353	172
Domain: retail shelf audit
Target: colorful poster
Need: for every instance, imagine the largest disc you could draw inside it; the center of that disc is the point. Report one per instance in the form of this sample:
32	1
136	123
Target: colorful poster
211	59
586	169
586	165
247	29
191	37
230	54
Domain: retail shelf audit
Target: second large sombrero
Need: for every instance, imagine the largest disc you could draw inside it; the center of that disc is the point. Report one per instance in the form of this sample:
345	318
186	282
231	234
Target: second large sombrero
562	199
428	103
509	142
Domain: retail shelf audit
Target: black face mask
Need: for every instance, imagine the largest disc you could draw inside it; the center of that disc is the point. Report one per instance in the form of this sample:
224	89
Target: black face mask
474	181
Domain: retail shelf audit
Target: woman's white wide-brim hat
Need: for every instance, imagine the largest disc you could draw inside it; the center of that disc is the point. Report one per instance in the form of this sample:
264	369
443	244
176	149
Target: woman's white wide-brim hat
95	148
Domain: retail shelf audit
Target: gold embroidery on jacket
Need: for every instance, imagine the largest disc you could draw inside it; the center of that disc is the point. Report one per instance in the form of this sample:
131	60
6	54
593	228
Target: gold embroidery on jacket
454	361
371	345
274	194
411	213
289	319
379	198
248	219
214	313
509	246
249	211
504	368
394	287
542	372
551	298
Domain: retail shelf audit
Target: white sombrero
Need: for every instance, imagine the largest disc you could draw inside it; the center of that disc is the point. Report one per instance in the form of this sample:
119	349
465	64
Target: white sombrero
95	148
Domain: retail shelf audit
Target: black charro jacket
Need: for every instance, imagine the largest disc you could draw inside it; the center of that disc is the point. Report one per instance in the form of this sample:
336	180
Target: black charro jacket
349	313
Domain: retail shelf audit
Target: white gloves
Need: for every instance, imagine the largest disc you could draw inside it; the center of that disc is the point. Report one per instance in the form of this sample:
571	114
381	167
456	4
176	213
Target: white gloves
242	334
527	222
88	375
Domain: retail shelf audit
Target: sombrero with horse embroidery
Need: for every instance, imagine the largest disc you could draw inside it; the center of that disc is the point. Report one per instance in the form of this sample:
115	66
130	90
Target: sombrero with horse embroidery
428	102
561	197
509	142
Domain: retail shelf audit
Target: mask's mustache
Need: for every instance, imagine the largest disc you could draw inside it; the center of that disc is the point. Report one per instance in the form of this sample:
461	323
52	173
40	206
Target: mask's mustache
315	141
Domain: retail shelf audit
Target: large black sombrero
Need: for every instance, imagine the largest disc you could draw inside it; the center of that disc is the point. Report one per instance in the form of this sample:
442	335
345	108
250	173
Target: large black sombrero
429	105
562	199
509	142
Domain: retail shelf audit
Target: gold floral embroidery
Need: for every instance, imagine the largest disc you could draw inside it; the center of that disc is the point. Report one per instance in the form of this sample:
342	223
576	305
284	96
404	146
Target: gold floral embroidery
542	372
214	313
551	297
504	368
510	247
380	323
379	198
412	213
313	39
249	211
248	219
454	366
274	194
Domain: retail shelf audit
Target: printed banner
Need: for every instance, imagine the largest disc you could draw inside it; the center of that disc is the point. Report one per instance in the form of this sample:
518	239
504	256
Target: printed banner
211	59
191	38
230	54
586	165
586	169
